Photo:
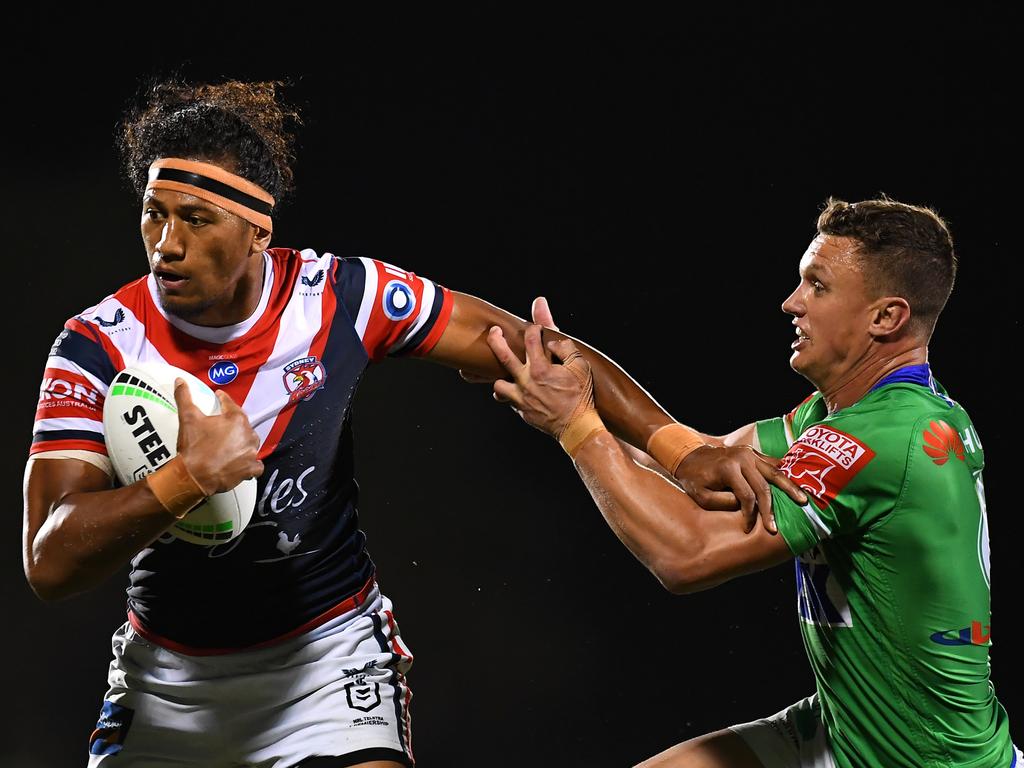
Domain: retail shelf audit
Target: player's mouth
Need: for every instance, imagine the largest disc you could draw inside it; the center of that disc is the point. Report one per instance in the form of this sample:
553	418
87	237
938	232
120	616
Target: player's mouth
168	280
801	339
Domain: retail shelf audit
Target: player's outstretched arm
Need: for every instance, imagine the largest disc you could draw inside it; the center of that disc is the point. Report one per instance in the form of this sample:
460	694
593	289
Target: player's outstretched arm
686	547
78	531
722	475
628	410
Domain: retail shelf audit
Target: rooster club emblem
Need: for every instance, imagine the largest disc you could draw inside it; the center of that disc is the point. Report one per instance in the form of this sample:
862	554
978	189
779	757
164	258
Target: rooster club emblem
303	377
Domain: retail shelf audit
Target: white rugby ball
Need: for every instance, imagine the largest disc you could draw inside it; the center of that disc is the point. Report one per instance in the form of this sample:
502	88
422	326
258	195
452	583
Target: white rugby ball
140	422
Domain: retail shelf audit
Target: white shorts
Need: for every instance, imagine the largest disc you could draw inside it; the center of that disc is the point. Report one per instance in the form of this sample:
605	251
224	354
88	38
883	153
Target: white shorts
795	738
792	738
338	690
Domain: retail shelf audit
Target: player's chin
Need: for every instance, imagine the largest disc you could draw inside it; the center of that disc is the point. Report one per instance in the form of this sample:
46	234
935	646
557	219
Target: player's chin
184	306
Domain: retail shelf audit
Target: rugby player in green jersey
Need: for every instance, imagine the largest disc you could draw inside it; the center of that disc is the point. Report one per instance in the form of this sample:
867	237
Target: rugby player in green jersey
898	640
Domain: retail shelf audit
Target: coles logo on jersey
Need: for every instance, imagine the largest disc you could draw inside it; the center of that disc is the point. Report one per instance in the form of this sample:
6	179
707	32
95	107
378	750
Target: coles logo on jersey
223	372
823	460
398	301
303	377
941	441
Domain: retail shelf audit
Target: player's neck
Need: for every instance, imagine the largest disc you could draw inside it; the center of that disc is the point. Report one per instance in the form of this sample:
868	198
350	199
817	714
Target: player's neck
857	382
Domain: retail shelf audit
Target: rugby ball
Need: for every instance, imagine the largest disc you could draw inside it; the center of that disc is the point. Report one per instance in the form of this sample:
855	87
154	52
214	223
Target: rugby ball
140	423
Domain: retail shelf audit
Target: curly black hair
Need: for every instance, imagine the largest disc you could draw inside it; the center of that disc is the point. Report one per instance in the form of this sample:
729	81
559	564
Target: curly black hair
244	126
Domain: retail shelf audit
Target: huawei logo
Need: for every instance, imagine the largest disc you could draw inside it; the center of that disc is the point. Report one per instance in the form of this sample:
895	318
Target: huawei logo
941	440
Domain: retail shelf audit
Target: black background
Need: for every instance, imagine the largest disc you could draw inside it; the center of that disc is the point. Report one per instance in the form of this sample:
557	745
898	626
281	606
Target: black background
658	178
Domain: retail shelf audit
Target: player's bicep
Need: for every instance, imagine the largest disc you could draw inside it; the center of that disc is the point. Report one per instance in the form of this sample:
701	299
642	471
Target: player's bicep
50	480
728	552
745	435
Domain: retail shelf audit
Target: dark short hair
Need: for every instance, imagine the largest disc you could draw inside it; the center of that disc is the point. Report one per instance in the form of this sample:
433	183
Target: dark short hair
244	125
907	251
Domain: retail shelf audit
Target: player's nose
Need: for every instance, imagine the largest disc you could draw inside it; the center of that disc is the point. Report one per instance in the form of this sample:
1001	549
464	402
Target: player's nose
170	245
793	304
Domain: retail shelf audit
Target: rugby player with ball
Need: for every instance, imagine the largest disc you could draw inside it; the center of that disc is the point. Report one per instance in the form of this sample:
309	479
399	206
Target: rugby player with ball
305	664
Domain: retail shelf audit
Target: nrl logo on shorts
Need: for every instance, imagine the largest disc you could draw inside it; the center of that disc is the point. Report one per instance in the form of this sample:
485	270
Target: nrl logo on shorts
360	694
303	377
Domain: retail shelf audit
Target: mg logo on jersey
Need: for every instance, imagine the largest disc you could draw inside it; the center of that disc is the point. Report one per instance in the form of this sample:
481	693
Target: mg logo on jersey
303	377
942	441
398	301
223	372
823	460
976	634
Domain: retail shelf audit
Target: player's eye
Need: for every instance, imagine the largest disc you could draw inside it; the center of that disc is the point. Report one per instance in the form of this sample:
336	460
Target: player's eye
196	221
817	286
151	213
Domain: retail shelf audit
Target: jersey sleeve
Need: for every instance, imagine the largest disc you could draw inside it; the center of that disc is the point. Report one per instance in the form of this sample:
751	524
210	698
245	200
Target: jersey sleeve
394	312
69	413
834	468
776	435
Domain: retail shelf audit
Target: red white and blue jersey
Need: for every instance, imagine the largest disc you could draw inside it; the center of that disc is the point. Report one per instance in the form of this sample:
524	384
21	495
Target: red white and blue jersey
293	367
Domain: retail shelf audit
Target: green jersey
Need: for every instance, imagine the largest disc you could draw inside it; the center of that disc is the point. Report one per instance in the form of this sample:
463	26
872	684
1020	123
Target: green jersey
893	574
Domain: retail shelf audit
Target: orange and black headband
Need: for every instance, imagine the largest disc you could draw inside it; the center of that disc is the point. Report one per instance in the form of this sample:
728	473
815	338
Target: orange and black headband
215	185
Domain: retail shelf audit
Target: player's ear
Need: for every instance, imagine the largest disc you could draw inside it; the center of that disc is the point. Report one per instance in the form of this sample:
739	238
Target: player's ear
890	315
260	239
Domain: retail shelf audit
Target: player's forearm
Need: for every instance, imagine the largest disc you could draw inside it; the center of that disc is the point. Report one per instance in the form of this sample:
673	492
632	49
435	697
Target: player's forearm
88	536
628	411
653	518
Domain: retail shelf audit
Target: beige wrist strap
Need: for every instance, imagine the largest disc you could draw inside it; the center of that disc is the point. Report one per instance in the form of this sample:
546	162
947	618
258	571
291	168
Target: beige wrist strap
175	488
672	443
585	421
581	429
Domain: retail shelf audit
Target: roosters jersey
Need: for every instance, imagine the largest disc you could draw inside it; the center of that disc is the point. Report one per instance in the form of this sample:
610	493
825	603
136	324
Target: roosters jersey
293	367
893	574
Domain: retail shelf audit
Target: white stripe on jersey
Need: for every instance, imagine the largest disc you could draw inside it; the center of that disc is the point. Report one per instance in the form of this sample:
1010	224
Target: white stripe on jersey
63	364
129	336
369	296
300	321
789	431
817	522
396	272
85	425
426	305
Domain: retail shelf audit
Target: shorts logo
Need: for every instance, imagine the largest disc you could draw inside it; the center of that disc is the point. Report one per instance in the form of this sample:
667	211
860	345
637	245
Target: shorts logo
941	442
823	460
399	301
223	372
303	377
364	697
111	729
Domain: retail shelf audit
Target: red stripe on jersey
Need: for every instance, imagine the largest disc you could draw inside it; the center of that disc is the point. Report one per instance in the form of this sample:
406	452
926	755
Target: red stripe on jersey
439	325
68	445
91	331
316	349
381	331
